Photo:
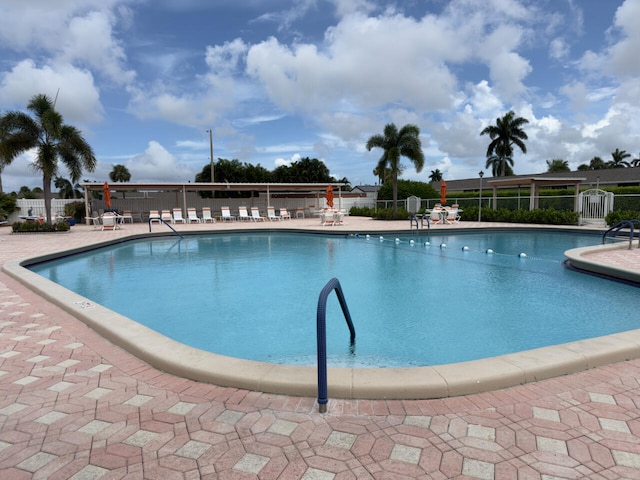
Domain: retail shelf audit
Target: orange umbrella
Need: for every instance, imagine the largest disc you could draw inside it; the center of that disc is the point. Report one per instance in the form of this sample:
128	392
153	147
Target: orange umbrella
330	196
107	195
443	192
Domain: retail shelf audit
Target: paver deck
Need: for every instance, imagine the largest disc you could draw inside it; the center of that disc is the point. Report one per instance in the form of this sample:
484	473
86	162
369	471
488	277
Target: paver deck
75	406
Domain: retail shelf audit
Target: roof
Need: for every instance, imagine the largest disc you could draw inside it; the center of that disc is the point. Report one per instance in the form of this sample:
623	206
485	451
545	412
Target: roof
271	187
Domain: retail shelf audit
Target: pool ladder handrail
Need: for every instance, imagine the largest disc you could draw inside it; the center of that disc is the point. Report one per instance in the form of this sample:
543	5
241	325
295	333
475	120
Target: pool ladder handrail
163	221
321	327
619	226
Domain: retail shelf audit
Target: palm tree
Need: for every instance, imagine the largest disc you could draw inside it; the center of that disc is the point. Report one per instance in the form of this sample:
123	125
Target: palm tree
396	144
506	133
618	159
120	173
66	189
500	166
51	139
435	176
557	165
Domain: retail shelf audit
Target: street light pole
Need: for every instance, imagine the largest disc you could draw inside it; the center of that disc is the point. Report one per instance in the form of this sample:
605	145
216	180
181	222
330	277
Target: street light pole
480	198
211	152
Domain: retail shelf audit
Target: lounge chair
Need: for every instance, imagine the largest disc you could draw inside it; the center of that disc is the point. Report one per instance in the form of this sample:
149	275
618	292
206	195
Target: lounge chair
435	216
284	214
255	215
95	218
226	215
243	214
300	212
206	215
192	215
154	216
127	215
327	218
453	216
271	214
109	221
177	216
166	216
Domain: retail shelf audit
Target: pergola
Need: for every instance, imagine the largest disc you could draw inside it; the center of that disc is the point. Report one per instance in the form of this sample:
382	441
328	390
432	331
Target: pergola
183	188
534	184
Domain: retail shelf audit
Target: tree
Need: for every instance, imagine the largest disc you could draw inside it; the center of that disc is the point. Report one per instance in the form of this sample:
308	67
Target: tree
618	159
596	163
500	166
66	189
557	165
51	139
436	175
119	173
396	144
506	133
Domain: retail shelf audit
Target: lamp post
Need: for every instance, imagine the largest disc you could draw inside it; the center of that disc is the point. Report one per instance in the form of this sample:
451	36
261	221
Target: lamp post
481	173
211	152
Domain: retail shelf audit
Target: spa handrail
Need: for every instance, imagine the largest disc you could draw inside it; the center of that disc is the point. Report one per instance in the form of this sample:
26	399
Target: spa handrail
619	226
321	326
161	220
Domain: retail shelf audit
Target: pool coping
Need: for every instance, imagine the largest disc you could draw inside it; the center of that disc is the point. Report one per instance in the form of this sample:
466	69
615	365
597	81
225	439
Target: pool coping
365	383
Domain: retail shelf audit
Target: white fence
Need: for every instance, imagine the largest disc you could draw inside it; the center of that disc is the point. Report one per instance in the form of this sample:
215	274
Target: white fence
34	207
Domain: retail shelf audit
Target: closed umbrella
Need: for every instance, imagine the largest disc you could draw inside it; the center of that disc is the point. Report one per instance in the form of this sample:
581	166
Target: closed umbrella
443	192
329	196
107	195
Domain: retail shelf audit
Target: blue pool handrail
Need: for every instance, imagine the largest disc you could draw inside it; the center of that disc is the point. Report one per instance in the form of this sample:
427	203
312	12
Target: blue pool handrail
321	326
168	225
619	226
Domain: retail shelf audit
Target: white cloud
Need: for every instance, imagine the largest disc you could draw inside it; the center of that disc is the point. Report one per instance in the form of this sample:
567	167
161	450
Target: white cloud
156	164
624	54
78	98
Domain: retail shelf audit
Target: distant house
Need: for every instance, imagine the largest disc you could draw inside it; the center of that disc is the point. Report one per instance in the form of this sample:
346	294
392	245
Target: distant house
609	177
370	191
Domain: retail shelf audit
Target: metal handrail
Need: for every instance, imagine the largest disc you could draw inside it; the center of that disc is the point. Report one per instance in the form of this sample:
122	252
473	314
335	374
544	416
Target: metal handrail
163	221
619	226
321	326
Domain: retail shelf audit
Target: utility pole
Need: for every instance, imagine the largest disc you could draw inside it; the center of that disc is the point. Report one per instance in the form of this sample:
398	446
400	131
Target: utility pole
211	152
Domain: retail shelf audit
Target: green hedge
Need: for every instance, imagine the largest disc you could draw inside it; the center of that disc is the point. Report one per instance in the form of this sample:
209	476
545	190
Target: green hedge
547	216
617	216
36	227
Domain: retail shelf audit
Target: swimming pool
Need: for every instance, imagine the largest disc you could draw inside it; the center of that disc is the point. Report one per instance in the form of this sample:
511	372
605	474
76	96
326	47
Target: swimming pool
254	296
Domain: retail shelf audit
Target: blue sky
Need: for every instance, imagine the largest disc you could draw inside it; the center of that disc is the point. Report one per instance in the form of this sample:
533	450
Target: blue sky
281	80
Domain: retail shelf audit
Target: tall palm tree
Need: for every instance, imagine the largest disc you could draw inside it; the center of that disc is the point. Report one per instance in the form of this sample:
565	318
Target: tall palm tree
506	133
66	189
557	165
435	176
618	159
51	139
395	144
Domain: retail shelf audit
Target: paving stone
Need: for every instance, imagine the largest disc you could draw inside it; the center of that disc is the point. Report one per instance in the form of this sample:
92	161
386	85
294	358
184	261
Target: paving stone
405	453
140	438
138	400
181	408
193	449
94	426
90	472
478	469
11	409
251	463
341	440
36	462
50	418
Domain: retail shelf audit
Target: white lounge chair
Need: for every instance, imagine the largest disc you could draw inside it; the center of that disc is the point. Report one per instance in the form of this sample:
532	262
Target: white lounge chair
435	216
95	218
255	215
109	221
206	215
226	215
327	218
271	214
243	214
177	216
192	215
166	216
453	216
284	214
127	215
154	216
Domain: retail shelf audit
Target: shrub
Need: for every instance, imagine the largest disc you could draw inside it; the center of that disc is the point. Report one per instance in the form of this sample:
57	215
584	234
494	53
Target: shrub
547	216
37	227
362	212
617	216
75	210
8	205
387	214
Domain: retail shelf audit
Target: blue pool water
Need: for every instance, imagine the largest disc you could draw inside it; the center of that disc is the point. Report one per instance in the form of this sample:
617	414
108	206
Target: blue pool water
255	296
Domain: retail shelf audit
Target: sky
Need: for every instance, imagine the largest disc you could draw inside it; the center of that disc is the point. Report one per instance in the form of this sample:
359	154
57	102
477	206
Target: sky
276	81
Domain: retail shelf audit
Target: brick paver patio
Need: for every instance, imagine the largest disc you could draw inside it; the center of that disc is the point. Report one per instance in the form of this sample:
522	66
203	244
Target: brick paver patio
73	406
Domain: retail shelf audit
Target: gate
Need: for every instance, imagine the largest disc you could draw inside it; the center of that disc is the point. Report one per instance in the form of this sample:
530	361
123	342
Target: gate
595	204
